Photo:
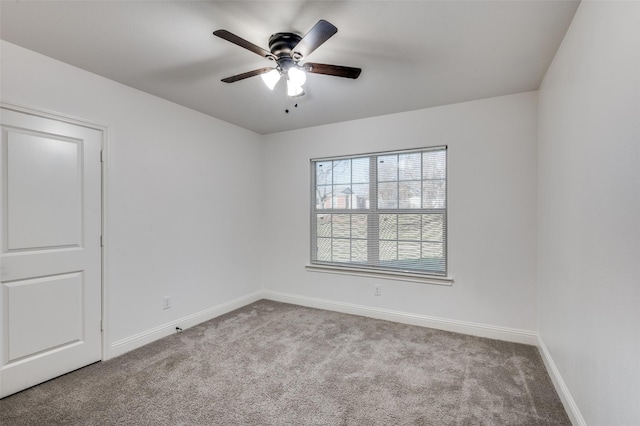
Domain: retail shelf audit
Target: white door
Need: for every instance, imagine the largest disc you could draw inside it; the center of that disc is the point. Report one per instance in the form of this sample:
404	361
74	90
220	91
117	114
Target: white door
51	255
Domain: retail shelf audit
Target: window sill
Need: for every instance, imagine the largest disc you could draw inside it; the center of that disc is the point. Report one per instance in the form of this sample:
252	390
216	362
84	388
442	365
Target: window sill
389	275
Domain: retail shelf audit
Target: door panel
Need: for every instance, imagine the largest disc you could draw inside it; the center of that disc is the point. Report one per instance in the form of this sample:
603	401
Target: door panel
44	187
51	259
36	323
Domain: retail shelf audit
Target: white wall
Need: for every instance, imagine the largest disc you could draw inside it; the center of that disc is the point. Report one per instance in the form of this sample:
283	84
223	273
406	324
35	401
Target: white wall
492	210
181	193
589	212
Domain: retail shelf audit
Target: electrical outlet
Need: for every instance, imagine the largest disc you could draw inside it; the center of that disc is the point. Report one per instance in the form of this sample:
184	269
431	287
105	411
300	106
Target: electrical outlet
166	302
377	290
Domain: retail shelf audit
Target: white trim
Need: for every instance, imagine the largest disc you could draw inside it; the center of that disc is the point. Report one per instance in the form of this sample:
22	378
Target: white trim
392	151
41	112
464	327
105	242
569	403
138	340
388	275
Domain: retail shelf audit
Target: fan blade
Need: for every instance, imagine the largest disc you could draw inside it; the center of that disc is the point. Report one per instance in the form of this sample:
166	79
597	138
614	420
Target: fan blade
336	70
242	43
247	75
321	32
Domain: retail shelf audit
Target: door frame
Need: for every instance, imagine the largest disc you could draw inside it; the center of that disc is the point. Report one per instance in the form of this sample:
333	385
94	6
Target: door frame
104	129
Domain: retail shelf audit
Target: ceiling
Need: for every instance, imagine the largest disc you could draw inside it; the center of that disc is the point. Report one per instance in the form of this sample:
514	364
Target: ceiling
413	54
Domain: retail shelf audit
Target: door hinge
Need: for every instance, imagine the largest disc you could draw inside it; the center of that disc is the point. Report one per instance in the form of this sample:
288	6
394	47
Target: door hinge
101	243
101	157
101	329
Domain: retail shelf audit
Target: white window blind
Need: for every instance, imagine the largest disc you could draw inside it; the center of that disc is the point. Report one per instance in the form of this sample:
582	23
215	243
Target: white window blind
384	211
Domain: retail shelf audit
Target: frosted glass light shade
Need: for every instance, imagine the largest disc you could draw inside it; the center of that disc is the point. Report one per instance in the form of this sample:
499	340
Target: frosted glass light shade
271	78
293	90
297	76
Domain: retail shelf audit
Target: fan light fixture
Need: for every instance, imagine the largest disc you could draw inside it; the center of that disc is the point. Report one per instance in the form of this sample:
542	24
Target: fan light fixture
295	80
296	76
293	90
271	78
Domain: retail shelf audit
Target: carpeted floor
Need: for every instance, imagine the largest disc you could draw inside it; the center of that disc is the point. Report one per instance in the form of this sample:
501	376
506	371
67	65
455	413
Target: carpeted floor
271	363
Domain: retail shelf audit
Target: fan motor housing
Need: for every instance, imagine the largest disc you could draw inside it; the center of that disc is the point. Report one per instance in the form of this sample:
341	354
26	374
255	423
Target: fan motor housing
281	44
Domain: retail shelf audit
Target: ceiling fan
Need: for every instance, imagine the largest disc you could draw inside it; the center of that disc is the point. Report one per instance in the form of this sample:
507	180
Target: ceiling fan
287	50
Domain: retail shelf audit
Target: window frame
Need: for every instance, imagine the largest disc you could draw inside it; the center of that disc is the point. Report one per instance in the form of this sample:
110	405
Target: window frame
352	268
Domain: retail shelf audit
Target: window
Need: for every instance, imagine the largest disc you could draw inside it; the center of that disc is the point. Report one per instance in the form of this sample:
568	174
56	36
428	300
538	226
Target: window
384	211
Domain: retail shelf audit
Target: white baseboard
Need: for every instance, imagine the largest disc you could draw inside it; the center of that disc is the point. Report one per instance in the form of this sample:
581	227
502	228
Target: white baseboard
474	329
138	340
569	403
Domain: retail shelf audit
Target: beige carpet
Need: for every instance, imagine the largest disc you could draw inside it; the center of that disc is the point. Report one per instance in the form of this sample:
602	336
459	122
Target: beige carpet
271	363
